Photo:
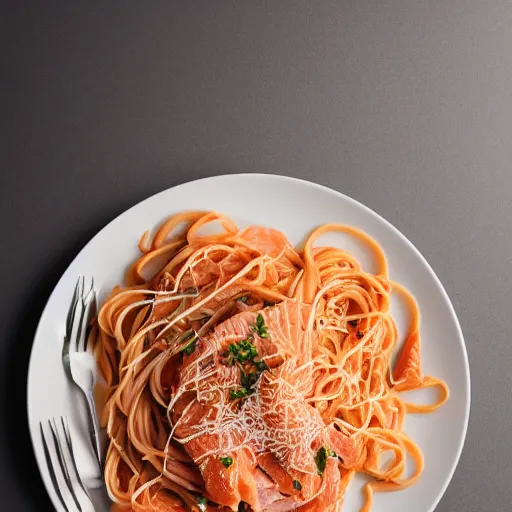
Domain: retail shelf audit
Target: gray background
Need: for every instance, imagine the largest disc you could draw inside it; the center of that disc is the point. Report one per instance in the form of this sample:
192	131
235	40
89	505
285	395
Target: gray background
405	105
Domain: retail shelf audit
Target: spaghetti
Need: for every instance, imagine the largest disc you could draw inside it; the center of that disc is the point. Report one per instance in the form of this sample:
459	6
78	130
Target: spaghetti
246	375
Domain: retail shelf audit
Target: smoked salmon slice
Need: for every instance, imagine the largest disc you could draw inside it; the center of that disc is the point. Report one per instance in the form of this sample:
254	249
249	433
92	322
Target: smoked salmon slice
260	447
407	373
265	240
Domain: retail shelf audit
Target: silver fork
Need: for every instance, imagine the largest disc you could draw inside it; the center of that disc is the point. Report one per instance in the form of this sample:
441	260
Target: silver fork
78	363
60	459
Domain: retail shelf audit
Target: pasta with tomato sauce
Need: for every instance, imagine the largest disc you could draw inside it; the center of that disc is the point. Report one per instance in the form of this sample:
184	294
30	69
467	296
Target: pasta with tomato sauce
246	374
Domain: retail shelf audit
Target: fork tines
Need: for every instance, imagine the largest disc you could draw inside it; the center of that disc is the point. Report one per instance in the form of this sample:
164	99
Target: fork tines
82	308
60	459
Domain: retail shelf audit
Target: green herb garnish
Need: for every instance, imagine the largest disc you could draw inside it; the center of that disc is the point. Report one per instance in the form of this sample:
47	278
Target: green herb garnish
260	365
246	351
321	458
260	329
202	501
245	354
297	485
235	394
243	299
248	380
226	461
242	352
189	346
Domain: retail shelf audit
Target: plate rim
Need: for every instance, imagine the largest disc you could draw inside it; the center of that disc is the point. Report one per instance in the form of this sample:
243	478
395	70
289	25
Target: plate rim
325	189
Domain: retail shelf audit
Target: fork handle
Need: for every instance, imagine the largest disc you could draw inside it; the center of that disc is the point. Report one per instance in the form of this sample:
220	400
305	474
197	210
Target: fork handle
94	428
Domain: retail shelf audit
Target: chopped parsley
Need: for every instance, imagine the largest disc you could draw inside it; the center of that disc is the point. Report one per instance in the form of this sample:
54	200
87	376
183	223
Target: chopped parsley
259	328
243	299
321	458
226	461
297	485
243	351
245	354
260	365
235	394
201	502
247	380
189	344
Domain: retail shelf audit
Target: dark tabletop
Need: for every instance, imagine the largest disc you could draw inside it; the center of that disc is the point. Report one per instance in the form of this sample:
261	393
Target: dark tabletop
404	105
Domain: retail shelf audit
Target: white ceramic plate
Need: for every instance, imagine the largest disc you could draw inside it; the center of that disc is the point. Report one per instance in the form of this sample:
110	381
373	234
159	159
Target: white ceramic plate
294	207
